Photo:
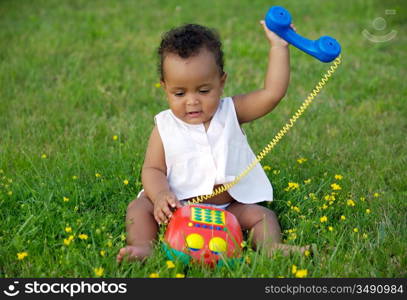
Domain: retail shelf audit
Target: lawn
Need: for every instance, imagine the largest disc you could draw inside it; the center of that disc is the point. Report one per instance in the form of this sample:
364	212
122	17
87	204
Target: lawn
77	98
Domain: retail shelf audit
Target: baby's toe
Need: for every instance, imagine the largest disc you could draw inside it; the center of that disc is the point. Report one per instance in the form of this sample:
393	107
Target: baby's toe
121	254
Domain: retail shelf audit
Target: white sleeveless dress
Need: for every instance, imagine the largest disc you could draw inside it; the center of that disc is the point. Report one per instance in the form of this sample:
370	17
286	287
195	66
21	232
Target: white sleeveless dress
197	159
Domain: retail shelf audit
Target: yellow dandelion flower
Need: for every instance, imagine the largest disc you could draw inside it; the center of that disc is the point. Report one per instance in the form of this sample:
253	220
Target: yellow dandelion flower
179	275
368	211
301	160
115	138
71	237
109	243
335	187
102	252
355	229
376	195
66	199
170	264
292	186
154	275
365	235
301	273
44	156
157	85
330	228
338	177
98	175
83	236
123	237
21	255
9	193
307	181
350	202
266	168
67	242
324	206
294	269
307	253
295	208
99	271
126	182
68	229
362	198
292	236
276	172
343	218
74	177
247	259
323	219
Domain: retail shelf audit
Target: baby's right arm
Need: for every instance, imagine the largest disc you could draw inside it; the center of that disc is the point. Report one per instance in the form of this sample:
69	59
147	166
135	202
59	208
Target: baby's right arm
155	181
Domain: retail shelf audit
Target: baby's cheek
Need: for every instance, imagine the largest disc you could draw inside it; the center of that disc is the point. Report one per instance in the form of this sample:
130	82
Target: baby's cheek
212	107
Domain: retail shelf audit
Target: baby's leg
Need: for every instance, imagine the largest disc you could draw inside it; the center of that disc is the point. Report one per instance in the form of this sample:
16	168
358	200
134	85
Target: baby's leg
263	224
141	229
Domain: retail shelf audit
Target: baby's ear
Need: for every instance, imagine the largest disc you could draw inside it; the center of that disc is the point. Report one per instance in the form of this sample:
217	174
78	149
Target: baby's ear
162	83
223	79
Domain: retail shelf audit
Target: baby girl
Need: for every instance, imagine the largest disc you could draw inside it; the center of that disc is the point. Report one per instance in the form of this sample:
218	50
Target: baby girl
198	144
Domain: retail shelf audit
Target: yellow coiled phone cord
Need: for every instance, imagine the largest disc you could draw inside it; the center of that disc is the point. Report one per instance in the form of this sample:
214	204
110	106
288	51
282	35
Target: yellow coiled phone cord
277	137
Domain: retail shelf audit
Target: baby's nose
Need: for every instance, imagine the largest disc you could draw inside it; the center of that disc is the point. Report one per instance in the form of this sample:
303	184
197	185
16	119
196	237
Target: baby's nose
193	100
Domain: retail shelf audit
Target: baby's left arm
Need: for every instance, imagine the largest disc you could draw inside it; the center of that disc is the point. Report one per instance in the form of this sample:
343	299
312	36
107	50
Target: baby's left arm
258	103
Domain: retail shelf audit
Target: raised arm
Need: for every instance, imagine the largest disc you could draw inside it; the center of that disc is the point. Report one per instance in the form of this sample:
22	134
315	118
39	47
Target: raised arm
256	104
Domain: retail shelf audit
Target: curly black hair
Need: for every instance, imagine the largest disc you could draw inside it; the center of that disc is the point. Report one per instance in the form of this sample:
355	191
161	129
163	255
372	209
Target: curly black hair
187	41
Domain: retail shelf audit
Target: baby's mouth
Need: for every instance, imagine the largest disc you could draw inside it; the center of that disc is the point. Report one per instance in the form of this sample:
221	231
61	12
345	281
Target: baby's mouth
194	114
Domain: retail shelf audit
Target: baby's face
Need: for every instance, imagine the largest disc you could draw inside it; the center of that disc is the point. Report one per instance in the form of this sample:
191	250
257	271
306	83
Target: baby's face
193	86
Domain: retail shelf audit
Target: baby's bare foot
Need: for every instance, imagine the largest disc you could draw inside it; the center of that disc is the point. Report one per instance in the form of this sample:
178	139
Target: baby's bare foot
132	253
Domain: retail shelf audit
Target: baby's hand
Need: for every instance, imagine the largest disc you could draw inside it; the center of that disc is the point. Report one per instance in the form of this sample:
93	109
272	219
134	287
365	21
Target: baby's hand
273	38
165	202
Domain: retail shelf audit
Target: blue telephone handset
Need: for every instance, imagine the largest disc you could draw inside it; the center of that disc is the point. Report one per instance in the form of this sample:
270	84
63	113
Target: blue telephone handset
278	20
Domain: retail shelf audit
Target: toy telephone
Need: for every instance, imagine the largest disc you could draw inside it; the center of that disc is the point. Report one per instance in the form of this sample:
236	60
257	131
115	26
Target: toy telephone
210	235
278	20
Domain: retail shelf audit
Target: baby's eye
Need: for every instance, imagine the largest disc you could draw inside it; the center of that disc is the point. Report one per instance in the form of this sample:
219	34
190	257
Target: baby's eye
204	91
179	94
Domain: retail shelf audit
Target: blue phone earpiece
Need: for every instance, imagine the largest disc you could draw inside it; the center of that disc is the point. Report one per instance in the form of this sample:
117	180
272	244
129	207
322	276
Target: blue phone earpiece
278	20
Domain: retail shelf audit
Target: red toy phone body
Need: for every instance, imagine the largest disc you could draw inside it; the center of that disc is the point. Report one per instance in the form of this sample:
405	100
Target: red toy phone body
204	233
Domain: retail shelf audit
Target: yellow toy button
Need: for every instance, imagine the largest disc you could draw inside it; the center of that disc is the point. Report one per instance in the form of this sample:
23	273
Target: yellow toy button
195	241
217	244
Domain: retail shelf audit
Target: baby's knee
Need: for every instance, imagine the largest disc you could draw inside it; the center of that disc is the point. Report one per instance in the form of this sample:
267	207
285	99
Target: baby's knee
132	204
140	203
262	213
270	214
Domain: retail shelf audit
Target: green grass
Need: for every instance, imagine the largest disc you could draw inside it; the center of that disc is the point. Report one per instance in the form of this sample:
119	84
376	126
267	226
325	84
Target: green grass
73	74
